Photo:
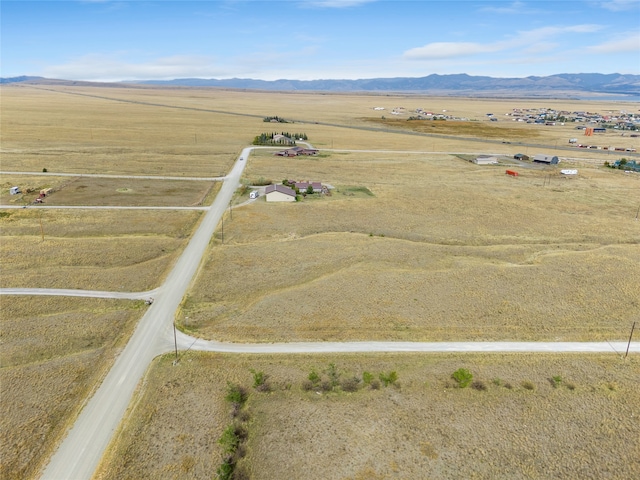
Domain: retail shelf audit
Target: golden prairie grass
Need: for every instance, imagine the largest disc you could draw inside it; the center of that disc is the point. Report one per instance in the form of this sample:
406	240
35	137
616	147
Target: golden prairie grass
434	223
443	250
195	132
421	427
95	191
84	249
55	349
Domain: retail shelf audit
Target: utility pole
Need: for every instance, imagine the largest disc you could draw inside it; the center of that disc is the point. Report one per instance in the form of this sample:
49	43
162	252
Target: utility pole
175	341
41	229
629	344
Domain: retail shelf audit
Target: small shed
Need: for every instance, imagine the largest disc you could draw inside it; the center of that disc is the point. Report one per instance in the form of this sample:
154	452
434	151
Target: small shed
14	190
485	160
521	156
548	159
279	193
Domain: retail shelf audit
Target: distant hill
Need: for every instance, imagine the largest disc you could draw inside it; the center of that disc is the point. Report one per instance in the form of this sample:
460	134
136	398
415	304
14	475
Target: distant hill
452	84
565	84
22	78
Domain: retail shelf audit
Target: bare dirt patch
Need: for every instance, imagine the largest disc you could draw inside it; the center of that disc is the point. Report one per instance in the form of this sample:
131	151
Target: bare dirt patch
421	427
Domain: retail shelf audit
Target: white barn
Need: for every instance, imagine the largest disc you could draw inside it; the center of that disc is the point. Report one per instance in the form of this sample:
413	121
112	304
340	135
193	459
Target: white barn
279	193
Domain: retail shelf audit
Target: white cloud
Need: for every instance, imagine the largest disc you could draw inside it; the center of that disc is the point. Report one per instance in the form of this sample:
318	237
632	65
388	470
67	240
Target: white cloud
620	5
439	50
113	67
627	43
533	40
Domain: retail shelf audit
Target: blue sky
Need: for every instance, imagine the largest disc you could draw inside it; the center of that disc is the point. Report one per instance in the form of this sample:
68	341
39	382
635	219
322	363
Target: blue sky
333	39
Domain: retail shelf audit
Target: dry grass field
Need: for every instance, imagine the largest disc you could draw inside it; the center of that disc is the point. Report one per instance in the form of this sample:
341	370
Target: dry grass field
54	351
409	246
97	191
130	250
515	423
442	250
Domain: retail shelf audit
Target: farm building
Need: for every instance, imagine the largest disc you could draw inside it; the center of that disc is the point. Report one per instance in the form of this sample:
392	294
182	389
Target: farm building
295	151
485	160
548	159
303	186
279	193
521	156
279	138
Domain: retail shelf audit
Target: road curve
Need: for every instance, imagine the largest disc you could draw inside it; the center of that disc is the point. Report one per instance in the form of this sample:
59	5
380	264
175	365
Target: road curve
80	452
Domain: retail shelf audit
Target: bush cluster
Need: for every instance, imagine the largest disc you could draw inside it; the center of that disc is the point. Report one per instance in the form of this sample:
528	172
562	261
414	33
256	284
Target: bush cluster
331	379
234	437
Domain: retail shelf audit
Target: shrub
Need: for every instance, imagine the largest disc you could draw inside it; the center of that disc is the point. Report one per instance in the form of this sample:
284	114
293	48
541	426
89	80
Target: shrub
307	385
388	378
374	385
350	384
497	382
463	377
508	386
367	378
225	471
260	381
244	416
44	170
479	385
313	377
229	440
236	394
527	385
555	381
334	375
326	386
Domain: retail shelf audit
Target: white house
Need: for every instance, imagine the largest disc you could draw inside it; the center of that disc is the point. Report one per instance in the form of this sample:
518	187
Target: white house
279	193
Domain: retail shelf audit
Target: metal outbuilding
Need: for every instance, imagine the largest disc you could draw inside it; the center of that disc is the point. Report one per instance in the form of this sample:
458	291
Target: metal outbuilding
485	160
548	159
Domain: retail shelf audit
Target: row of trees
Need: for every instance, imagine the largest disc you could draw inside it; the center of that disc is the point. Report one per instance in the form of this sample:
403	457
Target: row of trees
275	119
270	138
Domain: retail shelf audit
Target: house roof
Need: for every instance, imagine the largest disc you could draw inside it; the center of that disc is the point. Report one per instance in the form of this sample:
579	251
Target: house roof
279	188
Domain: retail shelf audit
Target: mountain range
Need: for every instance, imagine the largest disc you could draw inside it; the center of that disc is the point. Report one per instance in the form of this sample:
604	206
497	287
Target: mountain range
565	84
